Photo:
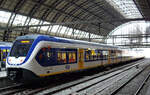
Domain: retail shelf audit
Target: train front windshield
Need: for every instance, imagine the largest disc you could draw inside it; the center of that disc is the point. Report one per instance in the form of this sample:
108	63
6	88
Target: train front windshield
21	48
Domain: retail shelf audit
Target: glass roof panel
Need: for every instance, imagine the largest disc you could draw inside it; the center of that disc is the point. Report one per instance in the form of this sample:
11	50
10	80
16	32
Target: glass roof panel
87	35
70	31
4	16
54	29
76	33
20	20
126	7
63	30
44	28
80	34
34	21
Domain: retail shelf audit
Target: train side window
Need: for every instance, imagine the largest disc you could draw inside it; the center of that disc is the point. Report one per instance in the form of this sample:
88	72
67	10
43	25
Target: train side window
49	54
46	56
0	55
90	55
40	56
96	55
72	57
119	54
61	57
105	54
99	54
87	55
112	54
4	54
44	52
93	55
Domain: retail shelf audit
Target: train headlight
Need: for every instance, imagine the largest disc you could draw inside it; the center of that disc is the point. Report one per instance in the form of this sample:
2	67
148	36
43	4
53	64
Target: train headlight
9	60
21	60
13	60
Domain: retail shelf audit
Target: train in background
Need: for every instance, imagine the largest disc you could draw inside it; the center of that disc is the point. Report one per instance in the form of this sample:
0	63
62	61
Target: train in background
4	50
36	56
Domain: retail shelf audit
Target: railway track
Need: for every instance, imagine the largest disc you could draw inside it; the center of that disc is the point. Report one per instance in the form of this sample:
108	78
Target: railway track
140	86
124	84
77	86
11	89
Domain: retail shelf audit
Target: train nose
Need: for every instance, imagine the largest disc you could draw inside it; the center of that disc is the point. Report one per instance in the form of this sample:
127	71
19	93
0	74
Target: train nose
14	73
18	60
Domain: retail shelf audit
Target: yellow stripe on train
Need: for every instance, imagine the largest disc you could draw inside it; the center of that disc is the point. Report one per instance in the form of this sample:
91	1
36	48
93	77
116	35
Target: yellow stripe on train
65	71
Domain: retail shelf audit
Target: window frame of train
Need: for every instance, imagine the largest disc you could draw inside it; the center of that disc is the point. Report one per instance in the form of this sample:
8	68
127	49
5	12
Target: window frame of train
3	56
93	55
51	56
67	51
105	54
112	54
46	56
72	56
21	47
119	54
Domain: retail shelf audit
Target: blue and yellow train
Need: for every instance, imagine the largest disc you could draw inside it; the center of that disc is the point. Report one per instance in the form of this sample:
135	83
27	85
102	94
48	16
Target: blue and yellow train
4	50
41	55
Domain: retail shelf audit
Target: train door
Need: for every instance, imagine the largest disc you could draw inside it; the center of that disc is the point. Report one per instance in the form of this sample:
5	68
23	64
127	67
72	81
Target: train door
109	56
81	58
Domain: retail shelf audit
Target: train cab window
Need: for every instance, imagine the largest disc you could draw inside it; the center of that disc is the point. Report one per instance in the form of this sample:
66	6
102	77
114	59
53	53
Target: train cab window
72	57
61	57
21	47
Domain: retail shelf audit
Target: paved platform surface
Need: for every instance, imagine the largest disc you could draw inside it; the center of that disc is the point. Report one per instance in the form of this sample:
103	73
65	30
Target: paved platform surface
3	74
148	91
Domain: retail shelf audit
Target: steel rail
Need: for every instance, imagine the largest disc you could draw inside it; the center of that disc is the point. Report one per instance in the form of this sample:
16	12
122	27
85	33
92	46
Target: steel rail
118	89
141	86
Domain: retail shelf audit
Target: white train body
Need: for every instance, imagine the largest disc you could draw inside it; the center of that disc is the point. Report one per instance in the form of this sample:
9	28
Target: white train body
47	56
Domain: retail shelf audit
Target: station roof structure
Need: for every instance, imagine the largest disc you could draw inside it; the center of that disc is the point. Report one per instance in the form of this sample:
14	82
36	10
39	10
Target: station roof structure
144	7
78	19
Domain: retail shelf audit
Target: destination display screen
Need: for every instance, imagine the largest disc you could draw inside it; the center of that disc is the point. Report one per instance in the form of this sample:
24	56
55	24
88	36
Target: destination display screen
25	41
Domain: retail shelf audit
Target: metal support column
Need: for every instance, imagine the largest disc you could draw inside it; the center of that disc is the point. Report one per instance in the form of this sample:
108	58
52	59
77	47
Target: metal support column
89	37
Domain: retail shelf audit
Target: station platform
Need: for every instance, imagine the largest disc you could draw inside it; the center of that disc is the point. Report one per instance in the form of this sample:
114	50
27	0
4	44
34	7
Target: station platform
3	74
148	90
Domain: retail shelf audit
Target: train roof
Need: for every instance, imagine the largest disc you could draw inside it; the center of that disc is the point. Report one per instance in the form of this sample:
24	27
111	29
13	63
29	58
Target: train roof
65	40
5	44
